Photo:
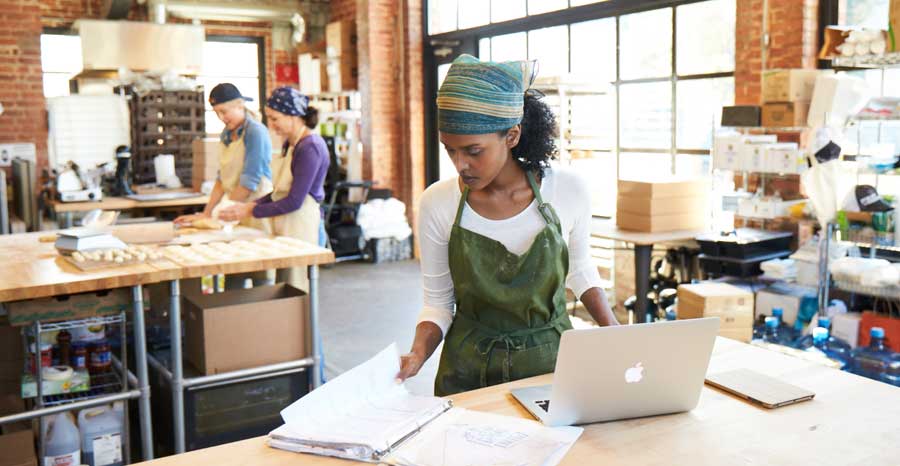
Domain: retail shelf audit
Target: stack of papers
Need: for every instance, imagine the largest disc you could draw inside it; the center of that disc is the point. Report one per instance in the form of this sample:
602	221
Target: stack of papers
780	269
365	415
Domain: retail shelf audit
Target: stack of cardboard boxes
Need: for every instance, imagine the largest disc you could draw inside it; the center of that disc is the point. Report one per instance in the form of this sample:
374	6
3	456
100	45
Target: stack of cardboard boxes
205	161
658	206
786	95
342	59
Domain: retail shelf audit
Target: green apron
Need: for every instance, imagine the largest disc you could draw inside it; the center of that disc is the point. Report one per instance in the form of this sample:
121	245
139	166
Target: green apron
510	310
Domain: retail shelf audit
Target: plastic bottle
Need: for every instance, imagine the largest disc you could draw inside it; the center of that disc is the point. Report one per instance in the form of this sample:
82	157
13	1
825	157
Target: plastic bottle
101	436
62	442
806	341
892	374
784	329
821	343
873	360
773	332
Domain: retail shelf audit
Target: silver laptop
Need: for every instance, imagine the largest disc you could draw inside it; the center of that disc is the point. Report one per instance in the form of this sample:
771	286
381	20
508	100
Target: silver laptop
622	372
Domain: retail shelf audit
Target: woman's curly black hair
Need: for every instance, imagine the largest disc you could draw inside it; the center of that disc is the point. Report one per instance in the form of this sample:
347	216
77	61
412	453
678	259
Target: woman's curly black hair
537	143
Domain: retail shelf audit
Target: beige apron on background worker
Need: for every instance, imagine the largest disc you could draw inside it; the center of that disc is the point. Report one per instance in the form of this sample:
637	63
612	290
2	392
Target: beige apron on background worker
302	224
231	165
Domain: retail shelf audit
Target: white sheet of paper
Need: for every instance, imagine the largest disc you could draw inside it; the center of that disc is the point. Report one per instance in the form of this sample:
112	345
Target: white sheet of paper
461	437
364	405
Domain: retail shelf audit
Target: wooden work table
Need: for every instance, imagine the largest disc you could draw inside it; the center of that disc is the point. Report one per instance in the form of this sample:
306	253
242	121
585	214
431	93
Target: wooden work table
64	210
34	269
852	420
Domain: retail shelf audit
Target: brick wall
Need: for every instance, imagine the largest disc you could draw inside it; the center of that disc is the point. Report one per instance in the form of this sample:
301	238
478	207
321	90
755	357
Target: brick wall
21	92
21	24
391	86
793	41
342	10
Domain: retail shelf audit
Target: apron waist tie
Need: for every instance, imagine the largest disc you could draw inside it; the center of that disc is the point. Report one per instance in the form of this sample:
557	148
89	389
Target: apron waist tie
495	337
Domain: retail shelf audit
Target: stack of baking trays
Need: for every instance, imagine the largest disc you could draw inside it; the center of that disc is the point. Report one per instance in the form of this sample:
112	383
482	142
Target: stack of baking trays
739	253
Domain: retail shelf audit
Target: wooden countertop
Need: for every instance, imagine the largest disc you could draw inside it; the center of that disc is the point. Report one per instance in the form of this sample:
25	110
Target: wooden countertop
607	229
123	203
33	269
852	420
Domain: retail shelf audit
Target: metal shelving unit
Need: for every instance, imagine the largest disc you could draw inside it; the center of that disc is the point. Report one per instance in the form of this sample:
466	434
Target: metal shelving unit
105	388
885	292
117	385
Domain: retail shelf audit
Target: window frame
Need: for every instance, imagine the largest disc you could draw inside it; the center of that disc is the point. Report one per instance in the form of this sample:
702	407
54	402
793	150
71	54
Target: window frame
468	41
260	59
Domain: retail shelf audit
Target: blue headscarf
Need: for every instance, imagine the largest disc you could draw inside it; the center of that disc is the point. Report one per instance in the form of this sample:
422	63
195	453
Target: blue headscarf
289	101
480	97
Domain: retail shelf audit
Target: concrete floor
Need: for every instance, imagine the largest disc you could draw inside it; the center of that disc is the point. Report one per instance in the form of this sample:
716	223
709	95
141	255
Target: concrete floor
365	307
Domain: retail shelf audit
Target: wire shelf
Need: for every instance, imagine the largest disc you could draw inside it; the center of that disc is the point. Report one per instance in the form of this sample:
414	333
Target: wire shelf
888	292
71	324
869	61
103	384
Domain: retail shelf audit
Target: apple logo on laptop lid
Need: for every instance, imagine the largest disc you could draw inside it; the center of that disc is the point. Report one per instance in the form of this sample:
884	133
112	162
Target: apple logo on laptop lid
634	374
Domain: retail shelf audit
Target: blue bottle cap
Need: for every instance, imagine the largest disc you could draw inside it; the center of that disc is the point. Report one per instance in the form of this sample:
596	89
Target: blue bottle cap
824	322
772	322
819	335
876	332
777	312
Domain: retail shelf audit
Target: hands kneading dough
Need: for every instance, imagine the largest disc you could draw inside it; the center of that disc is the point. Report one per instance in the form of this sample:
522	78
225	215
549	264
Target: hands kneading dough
206	223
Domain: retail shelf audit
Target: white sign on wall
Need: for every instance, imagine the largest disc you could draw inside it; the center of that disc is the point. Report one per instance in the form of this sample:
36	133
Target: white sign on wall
24	150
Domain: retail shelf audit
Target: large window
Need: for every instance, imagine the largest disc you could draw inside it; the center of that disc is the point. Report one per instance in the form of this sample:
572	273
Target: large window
60	62
232	60
670	70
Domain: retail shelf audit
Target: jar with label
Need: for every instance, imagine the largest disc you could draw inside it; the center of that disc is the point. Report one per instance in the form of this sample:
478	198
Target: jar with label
101	357
79	356
46	357
64	340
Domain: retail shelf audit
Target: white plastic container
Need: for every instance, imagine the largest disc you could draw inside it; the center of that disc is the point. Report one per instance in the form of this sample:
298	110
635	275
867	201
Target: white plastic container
62	442
101	436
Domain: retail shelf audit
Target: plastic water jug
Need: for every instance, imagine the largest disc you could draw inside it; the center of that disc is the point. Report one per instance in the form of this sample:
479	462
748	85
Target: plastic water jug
892	374
773	332
102	434
873	360
821	343
62	442
806	341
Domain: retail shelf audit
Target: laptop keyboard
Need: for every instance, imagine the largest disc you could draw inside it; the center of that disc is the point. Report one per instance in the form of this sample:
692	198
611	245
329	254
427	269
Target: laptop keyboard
544	404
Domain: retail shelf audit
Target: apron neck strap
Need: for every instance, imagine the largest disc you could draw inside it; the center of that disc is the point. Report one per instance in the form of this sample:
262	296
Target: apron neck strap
462	204
534	188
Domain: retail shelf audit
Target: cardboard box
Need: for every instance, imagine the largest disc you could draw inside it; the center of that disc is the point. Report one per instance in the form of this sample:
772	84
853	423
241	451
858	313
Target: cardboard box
696	220
340	38
343	73
788	297
725	152
661	206
17	449
67	307
663	188
788	86
732	305
247	328
785	114
846	327
205	162
12	403
784	157
313	71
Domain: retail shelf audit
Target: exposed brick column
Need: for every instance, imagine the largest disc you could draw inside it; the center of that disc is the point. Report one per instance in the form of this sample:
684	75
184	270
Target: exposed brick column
21	82
793	42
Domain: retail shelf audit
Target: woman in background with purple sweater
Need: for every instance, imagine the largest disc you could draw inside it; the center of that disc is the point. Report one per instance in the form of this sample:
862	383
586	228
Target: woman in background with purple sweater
298	176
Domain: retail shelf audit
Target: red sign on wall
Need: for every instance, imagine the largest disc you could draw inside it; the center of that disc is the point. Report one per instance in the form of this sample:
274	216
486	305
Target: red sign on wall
287	73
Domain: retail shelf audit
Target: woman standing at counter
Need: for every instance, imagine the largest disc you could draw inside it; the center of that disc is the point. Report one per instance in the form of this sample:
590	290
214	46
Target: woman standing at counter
299	176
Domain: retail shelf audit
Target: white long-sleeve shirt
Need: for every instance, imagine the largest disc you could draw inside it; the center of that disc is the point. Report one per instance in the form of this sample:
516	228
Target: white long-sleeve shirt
561	188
